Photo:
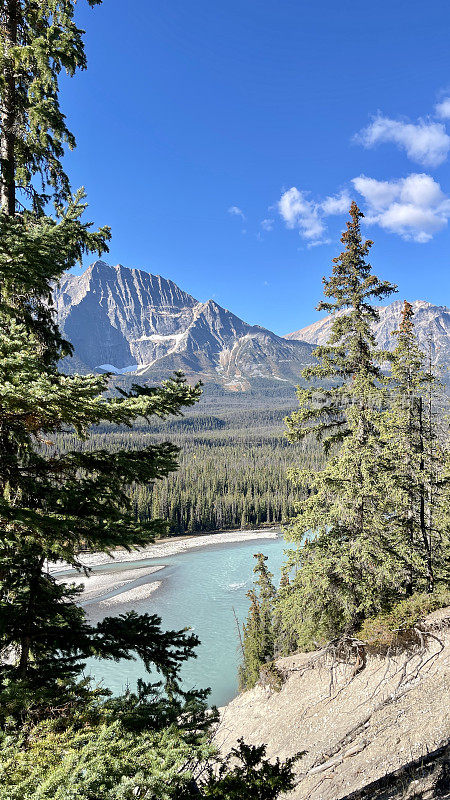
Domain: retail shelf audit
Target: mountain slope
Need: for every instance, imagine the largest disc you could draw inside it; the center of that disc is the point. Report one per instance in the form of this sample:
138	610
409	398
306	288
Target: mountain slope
125	320
432	325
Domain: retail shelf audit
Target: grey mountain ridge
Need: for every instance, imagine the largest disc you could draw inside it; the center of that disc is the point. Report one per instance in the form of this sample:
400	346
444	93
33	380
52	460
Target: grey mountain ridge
124	319
128	320
431	324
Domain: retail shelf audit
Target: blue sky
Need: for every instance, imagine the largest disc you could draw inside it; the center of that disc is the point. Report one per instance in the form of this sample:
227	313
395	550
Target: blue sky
223	142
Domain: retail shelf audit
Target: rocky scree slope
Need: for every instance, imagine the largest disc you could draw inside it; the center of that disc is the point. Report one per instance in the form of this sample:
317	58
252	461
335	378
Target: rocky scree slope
127	320
358	725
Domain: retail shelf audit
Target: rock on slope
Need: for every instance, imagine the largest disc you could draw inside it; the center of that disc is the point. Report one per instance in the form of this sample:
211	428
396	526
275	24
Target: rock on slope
432	324
129	320
356	729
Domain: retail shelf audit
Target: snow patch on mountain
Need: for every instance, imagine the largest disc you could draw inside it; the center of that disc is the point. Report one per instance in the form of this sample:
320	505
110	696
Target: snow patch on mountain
116	370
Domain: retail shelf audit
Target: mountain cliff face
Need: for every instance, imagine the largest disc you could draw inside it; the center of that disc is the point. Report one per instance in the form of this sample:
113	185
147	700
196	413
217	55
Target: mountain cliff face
126	320
432	325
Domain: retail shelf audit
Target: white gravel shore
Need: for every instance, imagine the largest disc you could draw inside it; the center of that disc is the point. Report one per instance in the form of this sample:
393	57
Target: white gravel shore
130	596
167	548
98	584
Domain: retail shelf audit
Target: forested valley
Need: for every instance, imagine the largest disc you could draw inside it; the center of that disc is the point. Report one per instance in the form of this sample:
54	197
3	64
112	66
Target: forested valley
234	463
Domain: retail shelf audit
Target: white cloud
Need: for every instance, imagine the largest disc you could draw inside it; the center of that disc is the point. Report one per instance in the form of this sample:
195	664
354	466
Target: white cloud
424	142
336	204
378	194
267	224
415	207
299	212
318	242
443	108
235	211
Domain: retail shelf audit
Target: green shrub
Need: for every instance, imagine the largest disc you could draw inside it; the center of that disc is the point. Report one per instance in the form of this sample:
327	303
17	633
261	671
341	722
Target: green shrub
109	762
396	629
105	761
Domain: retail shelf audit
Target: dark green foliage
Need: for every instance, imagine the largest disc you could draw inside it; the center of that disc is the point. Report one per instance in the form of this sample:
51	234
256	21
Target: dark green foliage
347	568
155	706
60	737
371	530
416	448
349	360
39	40
262	779
52	505
258	632
232	473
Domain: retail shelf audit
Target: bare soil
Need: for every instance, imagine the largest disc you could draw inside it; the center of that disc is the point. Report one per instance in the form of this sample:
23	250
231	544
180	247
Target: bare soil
357	725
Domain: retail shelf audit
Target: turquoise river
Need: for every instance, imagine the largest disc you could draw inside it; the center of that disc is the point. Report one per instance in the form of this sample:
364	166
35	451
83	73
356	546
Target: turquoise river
202	588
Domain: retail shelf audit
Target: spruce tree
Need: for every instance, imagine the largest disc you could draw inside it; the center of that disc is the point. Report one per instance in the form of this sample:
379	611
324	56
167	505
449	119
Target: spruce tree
258	631
53	504
417	460
348	567
284	637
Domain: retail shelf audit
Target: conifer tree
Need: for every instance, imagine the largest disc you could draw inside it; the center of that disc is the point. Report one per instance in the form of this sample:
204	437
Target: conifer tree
266	594
53	504
348	363
258	631
284	637
348	567
417	459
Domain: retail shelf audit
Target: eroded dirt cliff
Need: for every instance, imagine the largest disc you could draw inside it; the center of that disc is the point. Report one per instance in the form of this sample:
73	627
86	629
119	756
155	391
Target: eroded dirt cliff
360	724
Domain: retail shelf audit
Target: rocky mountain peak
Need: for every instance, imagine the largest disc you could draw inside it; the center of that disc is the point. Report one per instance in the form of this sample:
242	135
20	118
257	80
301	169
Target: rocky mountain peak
431	322
121	319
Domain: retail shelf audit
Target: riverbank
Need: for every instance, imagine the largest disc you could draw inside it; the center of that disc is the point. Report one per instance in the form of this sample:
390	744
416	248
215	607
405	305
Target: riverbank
203	588
164	548
108	589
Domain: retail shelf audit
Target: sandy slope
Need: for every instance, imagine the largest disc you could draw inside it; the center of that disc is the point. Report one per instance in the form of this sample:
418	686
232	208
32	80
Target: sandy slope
356	728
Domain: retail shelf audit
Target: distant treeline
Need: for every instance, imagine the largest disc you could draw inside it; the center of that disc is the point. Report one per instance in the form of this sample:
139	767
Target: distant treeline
233	469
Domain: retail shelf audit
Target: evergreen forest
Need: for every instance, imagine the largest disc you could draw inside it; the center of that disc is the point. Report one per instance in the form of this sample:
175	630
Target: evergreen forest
234	465
370	537
357	469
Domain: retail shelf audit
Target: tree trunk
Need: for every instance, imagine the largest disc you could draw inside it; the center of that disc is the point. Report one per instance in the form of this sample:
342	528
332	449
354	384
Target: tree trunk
8	112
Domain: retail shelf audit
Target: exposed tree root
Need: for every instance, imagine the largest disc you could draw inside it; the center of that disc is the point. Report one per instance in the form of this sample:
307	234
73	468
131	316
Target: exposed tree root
349	651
